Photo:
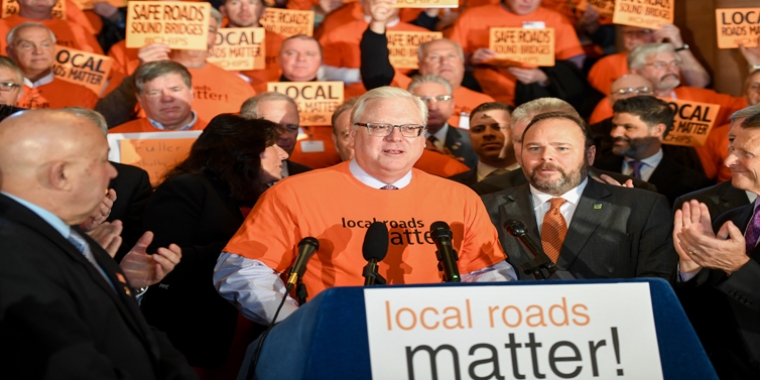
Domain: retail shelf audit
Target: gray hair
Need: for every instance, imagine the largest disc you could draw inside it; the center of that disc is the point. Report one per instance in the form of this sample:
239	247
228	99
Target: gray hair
93	116
387	93
17	28
527	111
423	46
346	106
430	78
745	112
10	65
217	16
153	70
637	58
249	109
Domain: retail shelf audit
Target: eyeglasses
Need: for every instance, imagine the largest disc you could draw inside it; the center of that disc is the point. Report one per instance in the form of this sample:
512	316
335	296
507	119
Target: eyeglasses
439	98
8	86
631	90
662	65
383	129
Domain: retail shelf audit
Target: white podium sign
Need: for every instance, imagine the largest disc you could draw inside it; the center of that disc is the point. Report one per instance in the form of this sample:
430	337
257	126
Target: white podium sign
583	331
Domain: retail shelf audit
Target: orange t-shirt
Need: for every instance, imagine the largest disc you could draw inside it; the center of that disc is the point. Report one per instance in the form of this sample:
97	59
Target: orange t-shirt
607	70
125	60
79	17
272	44
67	33
337	210
343	15
144	125
439	164
327	157
57	94
602	111
472	32
714	153
218	91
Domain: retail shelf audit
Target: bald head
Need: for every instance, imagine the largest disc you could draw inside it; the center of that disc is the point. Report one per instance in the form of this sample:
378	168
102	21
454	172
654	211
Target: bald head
56	160
630	85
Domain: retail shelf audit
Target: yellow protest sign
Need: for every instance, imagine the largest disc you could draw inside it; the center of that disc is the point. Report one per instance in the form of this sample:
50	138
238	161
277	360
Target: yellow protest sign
693	122
239	49
403	47
523	47
316	100
605	8
644	13
156	156
181	25
287	22
82	68
10	8
426	4
737	26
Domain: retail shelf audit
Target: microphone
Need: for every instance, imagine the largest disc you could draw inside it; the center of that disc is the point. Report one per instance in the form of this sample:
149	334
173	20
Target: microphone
540	267
447	256
374	249
306	248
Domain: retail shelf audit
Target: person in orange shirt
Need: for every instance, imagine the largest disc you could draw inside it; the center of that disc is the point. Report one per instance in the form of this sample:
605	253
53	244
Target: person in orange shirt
441	57
41	11
32	47
247	14
11	82
342	59
624	87
380	184
471	31
430	161
165	92
613	66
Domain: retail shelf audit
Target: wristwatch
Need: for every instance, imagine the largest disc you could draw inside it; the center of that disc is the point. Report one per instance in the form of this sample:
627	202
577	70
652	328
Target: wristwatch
753	68
684	47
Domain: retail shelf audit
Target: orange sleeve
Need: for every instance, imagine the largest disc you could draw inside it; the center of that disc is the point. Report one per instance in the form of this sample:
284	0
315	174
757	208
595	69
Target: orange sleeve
606	71
566	44
459	32
303	5
480	247
713	154
77	16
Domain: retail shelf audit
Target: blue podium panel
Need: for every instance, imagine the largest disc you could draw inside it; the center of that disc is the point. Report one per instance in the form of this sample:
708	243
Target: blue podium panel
327	338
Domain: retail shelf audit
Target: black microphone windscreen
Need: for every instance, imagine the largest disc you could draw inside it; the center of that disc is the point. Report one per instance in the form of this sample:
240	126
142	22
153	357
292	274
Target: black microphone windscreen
310	241
440	229
375	242
515	227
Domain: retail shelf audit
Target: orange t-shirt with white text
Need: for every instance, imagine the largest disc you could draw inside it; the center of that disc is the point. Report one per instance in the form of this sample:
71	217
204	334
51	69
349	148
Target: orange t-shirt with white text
218	91
338	209
472	32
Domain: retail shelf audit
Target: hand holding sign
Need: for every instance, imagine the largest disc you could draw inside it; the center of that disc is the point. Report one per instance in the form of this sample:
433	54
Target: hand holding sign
153	52
382	13
483	55
669	32
529	76
751	54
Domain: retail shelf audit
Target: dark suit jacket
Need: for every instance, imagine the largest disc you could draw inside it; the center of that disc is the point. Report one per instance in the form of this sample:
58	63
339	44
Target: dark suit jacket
132	187
458	142
468	178
200	216
517	178
725	311
616	232
294	168
60	318
718	198
671	178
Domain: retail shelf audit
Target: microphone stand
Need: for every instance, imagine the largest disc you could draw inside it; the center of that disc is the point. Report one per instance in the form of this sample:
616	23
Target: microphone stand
540	266
301	293
371	276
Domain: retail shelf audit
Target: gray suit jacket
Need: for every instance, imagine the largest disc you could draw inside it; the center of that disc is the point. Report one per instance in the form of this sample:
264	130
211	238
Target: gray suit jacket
615	232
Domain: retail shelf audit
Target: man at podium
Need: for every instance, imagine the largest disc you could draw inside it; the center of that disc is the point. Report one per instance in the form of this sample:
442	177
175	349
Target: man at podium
336	205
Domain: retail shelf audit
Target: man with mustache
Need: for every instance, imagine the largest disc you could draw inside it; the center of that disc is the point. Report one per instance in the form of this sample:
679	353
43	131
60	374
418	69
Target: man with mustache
589	229
639	125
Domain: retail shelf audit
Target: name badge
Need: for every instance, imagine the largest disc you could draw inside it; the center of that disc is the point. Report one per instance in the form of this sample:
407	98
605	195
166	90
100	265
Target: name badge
317	146
534	25
464	120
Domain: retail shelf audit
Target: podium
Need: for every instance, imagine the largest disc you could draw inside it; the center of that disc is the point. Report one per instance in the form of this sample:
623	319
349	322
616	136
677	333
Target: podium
327	337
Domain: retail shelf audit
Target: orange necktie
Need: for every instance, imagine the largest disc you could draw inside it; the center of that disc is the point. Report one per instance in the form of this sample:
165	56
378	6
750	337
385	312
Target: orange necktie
554	230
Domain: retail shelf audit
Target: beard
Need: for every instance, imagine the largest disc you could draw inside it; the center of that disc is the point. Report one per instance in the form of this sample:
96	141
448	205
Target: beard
557	186
634	148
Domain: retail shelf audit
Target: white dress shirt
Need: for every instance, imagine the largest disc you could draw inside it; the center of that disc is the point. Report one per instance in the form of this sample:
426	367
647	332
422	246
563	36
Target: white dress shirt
42	81
541	203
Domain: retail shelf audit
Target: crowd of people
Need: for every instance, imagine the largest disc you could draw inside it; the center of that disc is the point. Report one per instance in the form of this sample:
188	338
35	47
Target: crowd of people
104	276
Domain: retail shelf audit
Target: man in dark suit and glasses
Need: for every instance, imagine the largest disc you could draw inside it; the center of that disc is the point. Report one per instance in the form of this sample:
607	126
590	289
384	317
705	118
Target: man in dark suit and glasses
719	265
588	228
66	308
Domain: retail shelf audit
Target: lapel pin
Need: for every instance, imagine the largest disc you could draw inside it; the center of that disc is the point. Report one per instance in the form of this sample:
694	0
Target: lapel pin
121	279
597	206
126	290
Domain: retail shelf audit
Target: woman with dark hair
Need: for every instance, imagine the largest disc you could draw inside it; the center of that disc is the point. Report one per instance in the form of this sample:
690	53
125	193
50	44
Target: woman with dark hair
199	206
